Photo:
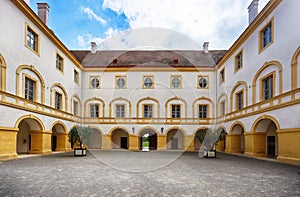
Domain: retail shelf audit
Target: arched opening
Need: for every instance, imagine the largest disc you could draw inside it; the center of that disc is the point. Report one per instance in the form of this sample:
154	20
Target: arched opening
238	133
29	138
267	129
221	143
95	139
58	137
197	143
148	140
120	139
175	139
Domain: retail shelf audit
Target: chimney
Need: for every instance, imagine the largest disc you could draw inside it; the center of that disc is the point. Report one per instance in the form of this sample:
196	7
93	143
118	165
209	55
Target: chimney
253	10
43	12
27	2
205	47
93	47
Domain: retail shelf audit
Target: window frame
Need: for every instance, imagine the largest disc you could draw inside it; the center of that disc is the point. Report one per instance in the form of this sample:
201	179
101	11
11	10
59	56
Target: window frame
144	105
116	81
37	41
222	108
262	87
58	56
261	32
152	78
206	77
207	111
116	110
176	105
180	81
75	110
35	92
91	80
237	62
60	102
238	105
90	110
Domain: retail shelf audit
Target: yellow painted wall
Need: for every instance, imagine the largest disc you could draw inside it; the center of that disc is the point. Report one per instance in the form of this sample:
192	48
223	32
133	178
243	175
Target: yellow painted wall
289	146
189	143
259	144
62	142
161	142
249	144
233	143
133	143
8	138
106	142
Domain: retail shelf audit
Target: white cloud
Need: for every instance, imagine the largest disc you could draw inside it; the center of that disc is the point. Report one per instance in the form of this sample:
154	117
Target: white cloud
219	22
92	15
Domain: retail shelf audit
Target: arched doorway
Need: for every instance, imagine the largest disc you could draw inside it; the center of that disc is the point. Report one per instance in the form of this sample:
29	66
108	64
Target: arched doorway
58	137
120	139
148	136
175	139
94	139
238	132
197	143
29	137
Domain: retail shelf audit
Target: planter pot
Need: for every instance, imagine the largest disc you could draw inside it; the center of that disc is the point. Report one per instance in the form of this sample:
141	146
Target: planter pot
209	154
80	152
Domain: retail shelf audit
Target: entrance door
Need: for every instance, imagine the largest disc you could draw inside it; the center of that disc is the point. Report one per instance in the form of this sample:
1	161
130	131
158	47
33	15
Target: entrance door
153	142
124	142
54	142
174	143
271	146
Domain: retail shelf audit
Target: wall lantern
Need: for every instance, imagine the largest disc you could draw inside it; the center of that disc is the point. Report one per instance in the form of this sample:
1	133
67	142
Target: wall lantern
162	130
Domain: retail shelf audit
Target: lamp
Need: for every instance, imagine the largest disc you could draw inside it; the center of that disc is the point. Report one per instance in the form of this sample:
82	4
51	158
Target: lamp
133	130
162	130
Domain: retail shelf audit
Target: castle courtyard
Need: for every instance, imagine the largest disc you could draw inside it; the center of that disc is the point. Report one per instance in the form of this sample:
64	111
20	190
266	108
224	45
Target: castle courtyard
154	173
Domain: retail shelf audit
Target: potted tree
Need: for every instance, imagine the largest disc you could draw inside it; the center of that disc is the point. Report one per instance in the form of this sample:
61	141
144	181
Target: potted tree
78	137
208	138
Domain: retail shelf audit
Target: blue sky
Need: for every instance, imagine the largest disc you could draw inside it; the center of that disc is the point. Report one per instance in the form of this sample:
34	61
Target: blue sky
168	24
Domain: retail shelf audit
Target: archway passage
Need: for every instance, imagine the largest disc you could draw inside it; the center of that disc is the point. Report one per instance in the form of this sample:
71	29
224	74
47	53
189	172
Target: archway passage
94	139
29	137
238	131
120	139
58	137
152	139
175	140
197	143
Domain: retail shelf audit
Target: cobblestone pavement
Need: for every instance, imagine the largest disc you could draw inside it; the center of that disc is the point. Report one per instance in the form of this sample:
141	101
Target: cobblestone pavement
122	173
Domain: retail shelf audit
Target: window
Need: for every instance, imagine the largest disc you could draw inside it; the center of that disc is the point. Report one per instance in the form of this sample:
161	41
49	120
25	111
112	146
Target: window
239	100
30	88
120	82
76	76
202	111
175	111
238	61
148	82
120	111
75	107
32	39
58	100
267	85
59	62
222	75
222	108
266	35
94	82
202	82
175	82
147	111
94	110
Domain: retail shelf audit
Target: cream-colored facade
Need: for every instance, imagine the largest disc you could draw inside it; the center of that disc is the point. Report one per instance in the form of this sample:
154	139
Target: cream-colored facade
250	91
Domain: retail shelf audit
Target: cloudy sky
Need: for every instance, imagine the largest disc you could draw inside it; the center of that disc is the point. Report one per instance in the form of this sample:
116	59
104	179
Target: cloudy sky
127	24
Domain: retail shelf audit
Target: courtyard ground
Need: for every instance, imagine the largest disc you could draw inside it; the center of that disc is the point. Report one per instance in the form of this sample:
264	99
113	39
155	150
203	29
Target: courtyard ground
122	173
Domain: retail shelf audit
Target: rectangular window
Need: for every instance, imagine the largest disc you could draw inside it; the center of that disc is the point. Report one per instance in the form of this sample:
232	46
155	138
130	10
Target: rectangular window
147	111
94	109
239	61
266	35
239	100
29	89
222	108
222	75
267	87
120	111
76	76
75	107
59	62
32	39
202	111
58	100
175	111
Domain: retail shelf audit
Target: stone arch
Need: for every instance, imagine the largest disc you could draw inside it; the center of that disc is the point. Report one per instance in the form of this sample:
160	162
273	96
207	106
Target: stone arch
174	99
237	136
38	127
75	96
151	99
197	143
266	65
205	99
119	137
95	138
152	132
2	73
223	95
255	124
94	99
65	104
32	69
175	138
238	84
294	69
119	99
59	139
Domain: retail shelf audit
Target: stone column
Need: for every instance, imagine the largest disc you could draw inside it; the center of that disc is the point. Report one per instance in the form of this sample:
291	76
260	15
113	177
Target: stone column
161	142
133	142
106	142
259	144
233	143
189	143
63	143
8	138
40	142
